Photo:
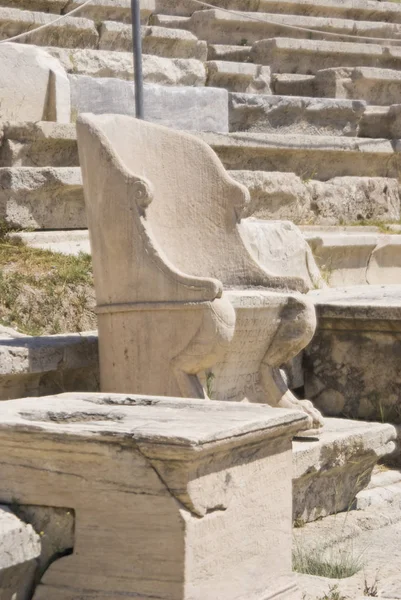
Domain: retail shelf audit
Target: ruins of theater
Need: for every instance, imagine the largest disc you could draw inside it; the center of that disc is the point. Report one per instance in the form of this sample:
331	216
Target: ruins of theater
222	420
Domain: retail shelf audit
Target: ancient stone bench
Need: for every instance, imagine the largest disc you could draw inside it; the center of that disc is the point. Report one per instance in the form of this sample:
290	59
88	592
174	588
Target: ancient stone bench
184	306
173	499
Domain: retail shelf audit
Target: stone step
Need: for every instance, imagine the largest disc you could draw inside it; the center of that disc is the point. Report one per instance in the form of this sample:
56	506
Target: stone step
44	144
42	198
180	107
308	156
106	63
381	87
357	9
36	366
345	450
287	55
356	256
384	488
78	32
238	76
341	200
97	10
312	116
159	41
218	27
68	33
288	114
40	144
71	242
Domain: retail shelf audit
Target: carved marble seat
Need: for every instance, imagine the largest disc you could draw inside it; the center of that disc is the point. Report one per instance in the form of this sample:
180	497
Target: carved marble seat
184	306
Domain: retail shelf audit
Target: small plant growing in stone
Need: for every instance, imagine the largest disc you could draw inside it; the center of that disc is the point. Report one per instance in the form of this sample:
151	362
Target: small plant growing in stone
333	562
333	594
371	589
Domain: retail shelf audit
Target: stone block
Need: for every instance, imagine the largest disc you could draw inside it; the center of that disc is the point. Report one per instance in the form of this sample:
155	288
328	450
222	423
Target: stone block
159	41
190	108
352	364
113	10
156	69
356	257
376	86
20	547
287	55
238	77
276	195
176	490
292	84
308	156
218	27
230	53
39	144
33	85
344	200
281	248
338	201
329	472
36	366
70	32
42	198
359	9
66	242
287	115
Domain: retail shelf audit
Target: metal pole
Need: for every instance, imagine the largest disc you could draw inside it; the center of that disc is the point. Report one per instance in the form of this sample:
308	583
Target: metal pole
137	48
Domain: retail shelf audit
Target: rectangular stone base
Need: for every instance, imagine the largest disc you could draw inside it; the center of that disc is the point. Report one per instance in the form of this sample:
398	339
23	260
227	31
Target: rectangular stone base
173	499
329	471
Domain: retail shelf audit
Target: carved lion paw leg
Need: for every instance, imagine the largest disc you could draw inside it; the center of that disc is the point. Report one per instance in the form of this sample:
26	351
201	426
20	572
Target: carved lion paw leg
315	418
280	395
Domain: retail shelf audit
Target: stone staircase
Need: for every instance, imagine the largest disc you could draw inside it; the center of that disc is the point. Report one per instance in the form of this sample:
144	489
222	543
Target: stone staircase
308	113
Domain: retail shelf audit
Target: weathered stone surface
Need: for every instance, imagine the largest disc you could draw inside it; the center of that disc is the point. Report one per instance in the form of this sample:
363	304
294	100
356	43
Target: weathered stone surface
329	472
287	55
20	546
36	366
357	256
370	537
39	144
344	200
159	41
103	63
238	77
218	27
308	156
115	10
42	198
66	242
362	383
33	85
276	196
292	84
230	53
52	6
281	248
374	85
70	32
283	114
190	108
208	298
337	201
198	472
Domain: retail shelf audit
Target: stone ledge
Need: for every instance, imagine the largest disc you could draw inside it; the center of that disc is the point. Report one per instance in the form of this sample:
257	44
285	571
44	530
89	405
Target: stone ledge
329	472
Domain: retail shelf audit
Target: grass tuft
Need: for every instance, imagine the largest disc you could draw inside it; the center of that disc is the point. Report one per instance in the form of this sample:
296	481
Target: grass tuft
43	292
333	562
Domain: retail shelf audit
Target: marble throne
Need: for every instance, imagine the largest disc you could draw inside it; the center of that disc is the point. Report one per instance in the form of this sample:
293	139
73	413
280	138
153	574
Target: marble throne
184	307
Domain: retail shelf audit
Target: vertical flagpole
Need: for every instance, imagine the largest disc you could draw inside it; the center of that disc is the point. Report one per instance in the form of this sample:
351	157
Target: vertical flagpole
137	49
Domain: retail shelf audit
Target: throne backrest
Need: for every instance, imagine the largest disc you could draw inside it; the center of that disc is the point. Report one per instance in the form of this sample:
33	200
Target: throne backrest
194	210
